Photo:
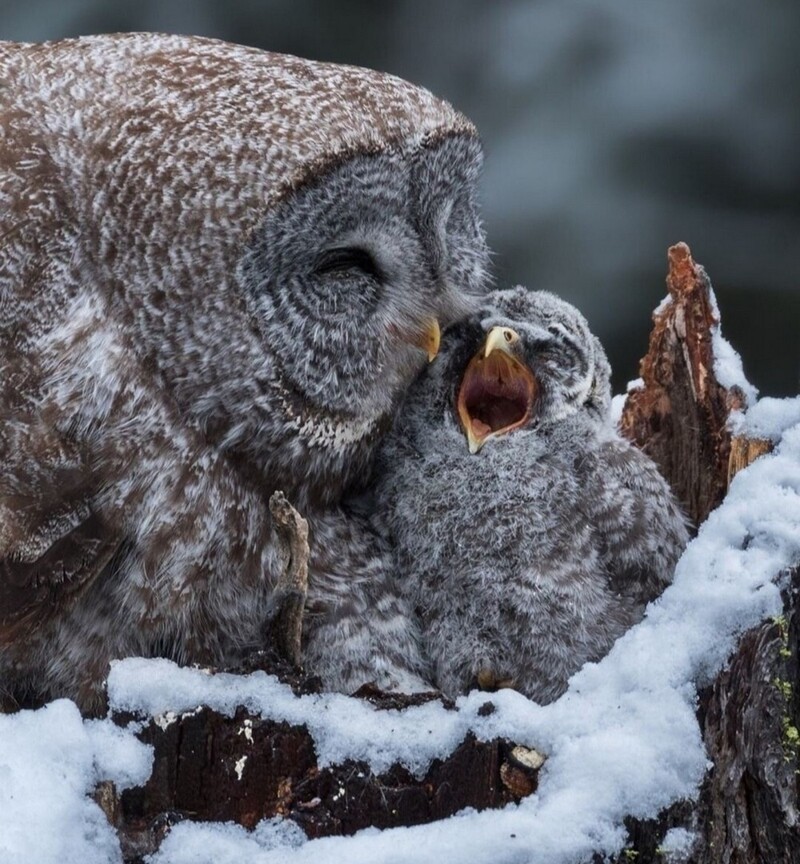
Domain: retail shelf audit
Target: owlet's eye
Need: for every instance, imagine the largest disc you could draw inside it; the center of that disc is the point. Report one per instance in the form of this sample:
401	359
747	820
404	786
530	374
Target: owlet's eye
346	258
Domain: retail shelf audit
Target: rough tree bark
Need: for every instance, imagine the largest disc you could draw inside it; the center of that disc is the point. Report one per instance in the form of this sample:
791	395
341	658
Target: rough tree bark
679	416
747	812
244	768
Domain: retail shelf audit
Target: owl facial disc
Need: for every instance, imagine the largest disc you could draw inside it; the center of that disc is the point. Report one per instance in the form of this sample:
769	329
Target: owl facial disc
497	391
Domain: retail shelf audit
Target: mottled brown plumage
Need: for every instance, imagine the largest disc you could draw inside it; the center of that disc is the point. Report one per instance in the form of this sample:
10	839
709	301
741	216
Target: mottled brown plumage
215	267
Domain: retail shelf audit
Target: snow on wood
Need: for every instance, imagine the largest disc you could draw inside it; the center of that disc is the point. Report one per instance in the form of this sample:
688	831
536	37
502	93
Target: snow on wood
678	413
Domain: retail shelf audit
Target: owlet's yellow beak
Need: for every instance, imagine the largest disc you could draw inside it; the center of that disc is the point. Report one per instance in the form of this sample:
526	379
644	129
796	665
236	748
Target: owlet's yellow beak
497	392
500	339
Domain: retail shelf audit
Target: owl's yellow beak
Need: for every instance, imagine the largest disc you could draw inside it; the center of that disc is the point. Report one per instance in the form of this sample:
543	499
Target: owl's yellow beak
497	392
426	337
430	339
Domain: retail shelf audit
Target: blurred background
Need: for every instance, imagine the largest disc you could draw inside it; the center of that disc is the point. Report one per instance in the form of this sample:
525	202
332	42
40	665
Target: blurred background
612	131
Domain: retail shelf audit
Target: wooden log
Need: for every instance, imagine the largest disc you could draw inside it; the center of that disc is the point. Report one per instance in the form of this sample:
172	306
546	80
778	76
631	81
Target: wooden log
243	769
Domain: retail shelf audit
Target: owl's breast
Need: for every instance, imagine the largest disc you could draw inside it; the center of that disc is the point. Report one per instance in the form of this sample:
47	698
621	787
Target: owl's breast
513	506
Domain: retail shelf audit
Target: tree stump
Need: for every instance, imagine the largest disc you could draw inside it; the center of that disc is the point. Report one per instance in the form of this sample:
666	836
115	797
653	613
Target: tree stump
747	811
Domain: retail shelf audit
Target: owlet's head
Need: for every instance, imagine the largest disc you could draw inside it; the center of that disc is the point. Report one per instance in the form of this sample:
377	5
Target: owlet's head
525	360
537	363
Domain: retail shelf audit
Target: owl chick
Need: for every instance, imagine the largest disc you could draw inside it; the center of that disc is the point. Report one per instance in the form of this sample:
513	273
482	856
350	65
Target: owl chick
220	270
529	535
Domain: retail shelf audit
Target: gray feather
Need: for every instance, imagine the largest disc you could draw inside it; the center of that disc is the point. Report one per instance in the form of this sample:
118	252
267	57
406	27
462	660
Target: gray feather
531	557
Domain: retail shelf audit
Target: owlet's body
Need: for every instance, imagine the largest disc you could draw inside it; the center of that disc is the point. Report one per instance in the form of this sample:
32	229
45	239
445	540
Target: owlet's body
533	553
220	270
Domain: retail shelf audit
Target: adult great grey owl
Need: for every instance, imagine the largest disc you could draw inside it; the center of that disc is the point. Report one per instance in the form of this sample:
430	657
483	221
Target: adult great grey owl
220	269
529	534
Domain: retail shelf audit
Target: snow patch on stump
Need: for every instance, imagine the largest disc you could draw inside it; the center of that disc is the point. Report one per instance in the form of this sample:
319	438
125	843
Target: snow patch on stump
50	762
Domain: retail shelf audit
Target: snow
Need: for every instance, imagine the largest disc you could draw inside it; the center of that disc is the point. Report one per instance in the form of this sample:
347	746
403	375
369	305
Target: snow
622	740
728	368
342	728
225	842
769	418
617	407
50	760
676	847
636	384
662	307
618	401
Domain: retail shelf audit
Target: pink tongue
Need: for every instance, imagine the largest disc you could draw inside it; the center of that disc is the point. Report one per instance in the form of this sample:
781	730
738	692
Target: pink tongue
480	428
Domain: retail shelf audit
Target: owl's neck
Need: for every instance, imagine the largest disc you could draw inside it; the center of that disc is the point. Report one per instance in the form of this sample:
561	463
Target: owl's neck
331	432
314	456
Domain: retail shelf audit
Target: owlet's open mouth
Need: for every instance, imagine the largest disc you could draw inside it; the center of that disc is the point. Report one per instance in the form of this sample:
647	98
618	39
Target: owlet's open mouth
497	392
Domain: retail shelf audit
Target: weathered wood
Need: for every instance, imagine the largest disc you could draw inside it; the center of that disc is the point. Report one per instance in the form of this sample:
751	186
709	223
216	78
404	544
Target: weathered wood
283	632
244	769
743	451
679	416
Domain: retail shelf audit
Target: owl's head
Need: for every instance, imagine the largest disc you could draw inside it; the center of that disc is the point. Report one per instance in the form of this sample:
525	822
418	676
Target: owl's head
351	276
349	280
526	360
283	240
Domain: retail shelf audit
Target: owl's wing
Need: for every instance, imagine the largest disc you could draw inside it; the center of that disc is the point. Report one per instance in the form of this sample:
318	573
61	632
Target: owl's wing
640	525
52	541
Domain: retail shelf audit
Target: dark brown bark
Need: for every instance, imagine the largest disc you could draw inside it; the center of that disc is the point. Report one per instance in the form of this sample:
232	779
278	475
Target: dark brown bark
244	769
